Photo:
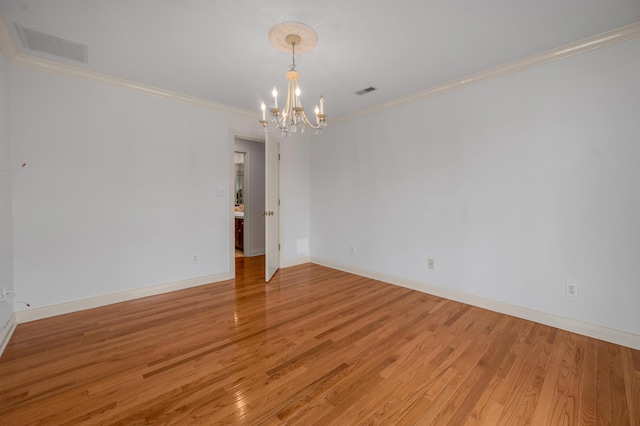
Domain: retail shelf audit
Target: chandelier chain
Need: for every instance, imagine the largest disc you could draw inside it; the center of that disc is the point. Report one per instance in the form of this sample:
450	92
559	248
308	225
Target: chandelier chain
292	67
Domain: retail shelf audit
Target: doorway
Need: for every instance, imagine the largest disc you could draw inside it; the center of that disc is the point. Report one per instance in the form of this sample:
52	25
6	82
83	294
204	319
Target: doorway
261	188
248	199
249	194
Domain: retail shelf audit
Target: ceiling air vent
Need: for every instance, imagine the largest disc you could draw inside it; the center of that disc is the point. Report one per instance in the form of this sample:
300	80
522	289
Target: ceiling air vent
367	90
47	43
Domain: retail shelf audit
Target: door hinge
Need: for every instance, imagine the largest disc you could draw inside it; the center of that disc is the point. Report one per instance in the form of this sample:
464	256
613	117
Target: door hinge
278	247
278	201
278	157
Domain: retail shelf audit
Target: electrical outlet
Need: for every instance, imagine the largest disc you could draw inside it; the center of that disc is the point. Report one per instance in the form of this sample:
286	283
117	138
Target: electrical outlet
354	250
431	264
194	258
571	289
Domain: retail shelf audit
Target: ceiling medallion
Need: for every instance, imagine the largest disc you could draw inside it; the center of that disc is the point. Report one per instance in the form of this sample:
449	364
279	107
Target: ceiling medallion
292	37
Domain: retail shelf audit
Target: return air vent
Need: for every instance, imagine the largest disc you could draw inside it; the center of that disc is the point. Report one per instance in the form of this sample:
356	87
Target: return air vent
47	43
367	90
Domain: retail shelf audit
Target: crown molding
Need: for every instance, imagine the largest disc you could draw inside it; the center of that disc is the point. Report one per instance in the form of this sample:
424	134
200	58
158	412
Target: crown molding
80	73
15	57
617	35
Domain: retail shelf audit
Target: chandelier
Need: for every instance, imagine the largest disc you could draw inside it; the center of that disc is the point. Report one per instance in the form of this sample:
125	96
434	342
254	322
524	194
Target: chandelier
289	36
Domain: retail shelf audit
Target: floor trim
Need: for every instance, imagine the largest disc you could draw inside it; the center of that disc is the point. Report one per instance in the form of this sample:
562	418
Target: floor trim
587	329
108	299
591	330
288	263
7	332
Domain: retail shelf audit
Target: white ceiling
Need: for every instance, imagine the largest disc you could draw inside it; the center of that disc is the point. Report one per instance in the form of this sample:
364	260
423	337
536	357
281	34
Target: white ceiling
218	50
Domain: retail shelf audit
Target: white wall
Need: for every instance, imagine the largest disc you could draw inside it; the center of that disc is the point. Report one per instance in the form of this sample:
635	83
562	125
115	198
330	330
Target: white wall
6	249
120	188
295	153
254	219
513	187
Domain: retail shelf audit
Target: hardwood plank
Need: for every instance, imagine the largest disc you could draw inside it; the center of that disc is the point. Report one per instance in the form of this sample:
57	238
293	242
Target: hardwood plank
314	346
604	403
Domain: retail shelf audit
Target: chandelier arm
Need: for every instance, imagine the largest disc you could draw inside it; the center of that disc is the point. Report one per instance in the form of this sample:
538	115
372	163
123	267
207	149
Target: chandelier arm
278	120
309	123
272	128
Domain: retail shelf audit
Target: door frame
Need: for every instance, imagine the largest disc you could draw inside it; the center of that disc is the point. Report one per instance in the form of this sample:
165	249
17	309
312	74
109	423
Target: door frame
258	137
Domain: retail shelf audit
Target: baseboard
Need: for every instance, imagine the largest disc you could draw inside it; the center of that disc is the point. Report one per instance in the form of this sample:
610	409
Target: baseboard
587	329
6	332
288	263
591	330
108	299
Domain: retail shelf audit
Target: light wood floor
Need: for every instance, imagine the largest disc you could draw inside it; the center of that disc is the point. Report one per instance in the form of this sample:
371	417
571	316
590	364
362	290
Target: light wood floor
315	346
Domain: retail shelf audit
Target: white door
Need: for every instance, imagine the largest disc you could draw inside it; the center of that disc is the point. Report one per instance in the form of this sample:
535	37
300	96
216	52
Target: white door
271	206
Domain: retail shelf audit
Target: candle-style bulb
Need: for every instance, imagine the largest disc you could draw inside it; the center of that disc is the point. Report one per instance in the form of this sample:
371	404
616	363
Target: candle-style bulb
275	96
263	107
317	110
321	104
